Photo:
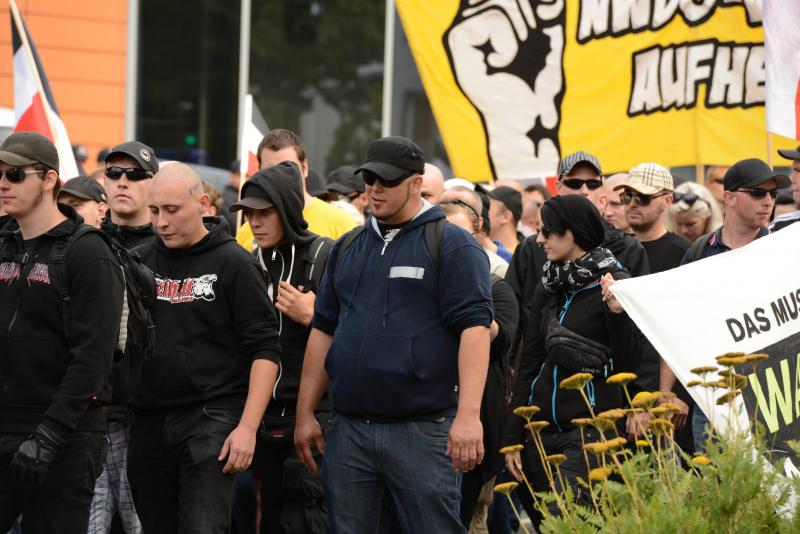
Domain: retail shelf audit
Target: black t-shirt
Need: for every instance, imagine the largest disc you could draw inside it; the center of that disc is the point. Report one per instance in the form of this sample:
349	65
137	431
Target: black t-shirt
666	252
388	229
29	245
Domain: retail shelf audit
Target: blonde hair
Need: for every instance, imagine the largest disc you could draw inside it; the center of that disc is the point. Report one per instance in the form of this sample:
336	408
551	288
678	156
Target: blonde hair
706	207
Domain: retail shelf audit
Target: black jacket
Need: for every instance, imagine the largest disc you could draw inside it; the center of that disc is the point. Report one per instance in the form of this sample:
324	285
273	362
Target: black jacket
300	253
45	375
538	379
213	319
129	237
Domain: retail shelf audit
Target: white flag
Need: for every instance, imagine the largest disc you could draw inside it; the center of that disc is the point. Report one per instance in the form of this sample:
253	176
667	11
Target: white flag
781	19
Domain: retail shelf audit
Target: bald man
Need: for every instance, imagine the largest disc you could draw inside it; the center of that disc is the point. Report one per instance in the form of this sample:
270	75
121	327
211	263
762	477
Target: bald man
432	183
205	390
614	211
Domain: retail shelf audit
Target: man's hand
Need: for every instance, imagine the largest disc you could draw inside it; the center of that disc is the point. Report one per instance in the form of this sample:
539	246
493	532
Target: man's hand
296	305
33	457
608	297
636	425
465	442
306	432
238	448
679	419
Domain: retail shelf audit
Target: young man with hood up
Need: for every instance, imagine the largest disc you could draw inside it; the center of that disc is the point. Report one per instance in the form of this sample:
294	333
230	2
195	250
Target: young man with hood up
204	391
293	260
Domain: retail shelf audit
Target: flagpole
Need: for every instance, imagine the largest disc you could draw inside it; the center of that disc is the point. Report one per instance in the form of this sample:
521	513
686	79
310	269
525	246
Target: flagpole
26	46
769	149
388	70
244	68
131	69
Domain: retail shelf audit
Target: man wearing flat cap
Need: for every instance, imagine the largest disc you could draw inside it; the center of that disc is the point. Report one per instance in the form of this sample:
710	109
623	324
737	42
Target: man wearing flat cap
401	342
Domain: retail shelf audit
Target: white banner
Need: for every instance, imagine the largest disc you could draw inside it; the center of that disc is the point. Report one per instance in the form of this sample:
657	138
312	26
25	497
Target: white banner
746	300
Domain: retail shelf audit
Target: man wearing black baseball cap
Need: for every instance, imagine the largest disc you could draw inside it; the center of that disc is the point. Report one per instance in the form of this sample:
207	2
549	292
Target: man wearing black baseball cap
347	192
751	187
55	358
505	211
88	197
402	341
789	218
129	169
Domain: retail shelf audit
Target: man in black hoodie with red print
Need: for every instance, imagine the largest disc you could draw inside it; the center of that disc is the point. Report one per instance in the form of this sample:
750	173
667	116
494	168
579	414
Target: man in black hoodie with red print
293	260
56	345
205	390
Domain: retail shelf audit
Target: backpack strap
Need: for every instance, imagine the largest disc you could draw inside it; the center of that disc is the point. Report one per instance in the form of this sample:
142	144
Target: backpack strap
695	252
316	259
347	239
57	269
434	232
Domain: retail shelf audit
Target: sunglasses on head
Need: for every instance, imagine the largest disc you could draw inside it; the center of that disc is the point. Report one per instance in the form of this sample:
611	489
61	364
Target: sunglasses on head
688	198
134	175
643	200
370	178
759	192
577	183
461	204
16	175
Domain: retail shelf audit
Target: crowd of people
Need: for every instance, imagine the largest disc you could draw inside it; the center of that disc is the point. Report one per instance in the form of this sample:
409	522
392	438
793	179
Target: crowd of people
340	355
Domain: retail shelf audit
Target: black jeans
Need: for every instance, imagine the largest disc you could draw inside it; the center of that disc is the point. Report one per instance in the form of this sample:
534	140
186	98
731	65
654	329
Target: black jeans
177	482
61	504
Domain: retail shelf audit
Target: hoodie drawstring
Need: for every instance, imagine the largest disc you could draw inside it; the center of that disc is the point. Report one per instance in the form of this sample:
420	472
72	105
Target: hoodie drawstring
388	278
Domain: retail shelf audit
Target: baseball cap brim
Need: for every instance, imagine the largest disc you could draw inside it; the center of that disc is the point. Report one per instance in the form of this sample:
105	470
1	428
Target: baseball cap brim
387	171
642	189
14	159
780	179
253	203
75	193
340	188
789	153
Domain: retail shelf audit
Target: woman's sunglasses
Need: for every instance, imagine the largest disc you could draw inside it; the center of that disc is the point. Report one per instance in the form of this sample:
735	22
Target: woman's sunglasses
134	175
688	198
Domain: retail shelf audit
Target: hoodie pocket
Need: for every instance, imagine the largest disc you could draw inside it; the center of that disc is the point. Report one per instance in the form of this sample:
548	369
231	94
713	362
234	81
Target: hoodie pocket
390	378
168	376
31	372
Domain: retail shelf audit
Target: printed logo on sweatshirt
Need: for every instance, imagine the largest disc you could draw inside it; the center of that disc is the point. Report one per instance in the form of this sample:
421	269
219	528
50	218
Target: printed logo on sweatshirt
186	290
11	270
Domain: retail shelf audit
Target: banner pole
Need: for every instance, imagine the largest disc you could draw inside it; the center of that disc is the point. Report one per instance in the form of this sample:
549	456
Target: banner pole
769	149
698	173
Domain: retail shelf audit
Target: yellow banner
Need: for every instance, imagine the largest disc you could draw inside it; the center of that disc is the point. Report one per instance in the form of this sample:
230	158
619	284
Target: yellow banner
515	84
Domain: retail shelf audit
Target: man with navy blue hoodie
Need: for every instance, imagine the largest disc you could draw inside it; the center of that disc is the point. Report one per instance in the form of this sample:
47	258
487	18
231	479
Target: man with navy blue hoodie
402	342
204	391
293	261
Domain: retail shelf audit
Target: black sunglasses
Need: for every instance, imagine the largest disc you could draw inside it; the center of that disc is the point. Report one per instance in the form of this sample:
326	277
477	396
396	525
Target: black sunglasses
643	200
370	178
546	232
15	175
688	198
134	175
576	183
759	193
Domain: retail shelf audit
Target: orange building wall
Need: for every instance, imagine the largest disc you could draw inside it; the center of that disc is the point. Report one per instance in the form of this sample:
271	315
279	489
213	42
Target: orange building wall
82	45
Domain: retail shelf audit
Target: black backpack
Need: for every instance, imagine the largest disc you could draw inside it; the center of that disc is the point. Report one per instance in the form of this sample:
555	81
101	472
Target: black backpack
138	301
434	231
695	252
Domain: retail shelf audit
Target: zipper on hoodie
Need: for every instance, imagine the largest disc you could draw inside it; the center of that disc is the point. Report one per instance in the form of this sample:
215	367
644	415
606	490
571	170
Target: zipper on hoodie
24	262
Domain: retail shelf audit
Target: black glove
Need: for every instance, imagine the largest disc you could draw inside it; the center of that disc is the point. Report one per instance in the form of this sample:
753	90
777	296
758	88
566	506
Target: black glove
34	456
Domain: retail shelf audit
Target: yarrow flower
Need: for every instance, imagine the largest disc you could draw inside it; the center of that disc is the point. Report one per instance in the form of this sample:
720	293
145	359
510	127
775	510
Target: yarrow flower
576	381
556	459
511	449
599	474
728	397
751	358
701	460
642	443
693	383
581	422
621	379
536	426
612	414
597	448
506	487
704	370
616	443
526	412
731	358
660	426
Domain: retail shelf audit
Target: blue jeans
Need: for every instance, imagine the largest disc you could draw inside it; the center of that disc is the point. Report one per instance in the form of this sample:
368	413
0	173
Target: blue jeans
177	482
61	504
364	458
699	430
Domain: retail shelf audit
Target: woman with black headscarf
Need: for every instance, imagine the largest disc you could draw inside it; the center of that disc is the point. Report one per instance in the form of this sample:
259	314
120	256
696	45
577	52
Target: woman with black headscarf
576	326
